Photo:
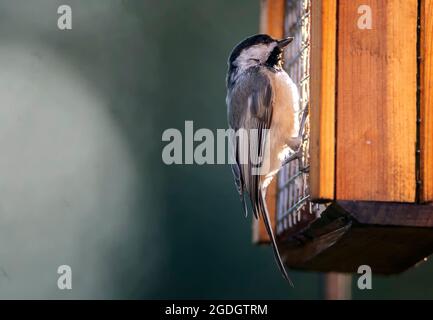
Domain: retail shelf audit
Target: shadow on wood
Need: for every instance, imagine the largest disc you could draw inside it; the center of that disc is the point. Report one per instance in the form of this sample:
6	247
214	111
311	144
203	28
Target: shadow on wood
354	234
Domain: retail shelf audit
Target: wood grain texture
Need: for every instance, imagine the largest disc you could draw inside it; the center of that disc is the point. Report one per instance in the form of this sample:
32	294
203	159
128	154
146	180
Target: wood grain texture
272	23
322	99
272	17
376	102
426	103
339	242
389	213
387	250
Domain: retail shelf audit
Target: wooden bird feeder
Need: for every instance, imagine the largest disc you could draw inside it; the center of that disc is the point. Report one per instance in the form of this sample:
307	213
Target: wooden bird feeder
362	193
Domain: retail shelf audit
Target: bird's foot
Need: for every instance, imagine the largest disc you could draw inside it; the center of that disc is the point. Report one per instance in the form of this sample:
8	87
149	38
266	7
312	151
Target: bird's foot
291	157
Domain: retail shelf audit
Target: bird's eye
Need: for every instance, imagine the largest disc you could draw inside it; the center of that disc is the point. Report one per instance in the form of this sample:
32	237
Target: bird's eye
255	60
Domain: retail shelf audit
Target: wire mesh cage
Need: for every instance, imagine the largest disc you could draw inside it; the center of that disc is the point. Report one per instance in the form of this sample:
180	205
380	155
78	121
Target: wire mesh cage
294	208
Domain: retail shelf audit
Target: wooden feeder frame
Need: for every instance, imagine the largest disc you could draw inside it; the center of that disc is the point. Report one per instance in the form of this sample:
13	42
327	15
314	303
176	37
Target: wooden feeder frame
370	140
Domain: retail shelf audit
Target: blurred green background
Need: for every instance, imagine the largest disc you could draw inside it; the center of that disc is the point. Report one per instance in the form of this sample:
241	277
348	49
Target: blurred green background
81	177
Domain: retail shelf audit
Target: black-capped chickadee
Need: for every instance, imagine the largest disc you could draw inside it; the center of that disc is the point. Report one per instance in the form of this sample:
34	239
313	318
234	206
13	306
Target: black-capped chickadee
262	102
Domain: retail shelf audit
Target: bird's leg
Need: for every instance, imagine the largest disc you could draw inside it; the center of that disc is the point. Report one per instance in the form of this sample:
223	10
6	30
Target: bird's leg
295	144
305	169
293	156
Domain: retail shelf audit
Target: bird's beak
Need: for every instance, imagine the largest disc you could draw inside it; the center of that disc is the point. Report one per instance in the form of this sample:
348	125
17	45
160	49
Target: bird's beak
284	42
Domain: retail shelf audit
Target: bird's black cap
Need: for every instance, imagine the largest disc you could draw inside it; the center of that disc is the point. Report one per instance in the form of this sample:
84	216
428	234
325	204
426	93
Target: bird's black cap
248	42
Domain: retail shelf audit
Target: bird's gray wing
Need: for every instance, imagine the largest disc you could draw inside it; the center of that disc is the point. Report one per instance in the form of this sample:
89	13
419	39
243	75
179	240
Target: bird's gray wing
250	108
239	185
250	113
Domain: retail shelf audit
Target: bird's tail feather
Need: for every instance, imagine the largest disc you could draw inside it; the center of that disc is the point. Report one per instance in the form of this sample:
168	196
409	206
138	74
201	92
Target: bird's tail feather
263	209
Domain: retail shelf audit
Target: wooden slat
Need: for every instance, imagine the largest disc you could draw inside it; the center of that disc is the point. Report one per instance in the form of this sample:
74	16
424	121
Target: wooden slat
272	23
386	250
390	213
272	17
426	103
348	235
322	106
376	102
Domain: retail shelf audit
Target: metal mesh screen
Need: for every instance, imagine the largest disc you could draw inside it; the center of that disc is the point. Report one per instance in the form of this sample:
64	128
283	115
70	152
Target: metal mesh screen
294	208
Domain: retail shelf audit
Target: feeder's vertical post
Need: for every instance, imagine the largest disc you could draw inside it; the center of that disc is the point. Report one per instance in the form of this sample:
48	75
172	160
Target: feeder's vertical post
426	97
322	99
